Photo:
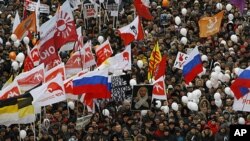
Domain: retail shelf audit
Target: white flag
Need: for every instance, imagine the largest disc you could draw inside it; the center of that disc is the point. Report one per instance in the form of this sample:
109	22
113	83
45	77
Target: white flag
16	22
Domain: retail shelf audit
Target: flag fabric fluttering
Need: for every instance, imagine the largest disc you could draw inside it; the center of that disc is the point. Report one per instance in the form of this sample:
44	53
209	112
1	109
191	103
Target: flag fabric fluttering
210	25
28	62
161	68
27	25
142	9
240	4
94	83
131	32
68	86
241	84
159	89
193	66
154	60
16	22
8	110
52	73
103	52
12	90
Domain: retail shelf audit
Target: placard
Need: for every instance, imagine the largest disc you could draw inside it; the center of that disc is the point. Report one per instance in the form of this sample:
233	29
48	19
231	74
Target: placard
120	87
180	60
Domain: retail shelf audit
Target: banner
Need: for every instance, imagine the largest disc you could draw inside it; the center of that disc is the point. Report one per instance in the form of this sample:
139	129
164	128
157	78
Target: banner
44	8
142	97
113	9
180	60
242	104
120	87
82	122
90	10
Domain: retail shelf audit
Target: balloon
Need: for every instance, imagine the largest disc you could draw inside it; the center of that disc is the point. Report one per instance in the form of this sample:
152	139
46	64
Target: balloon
217	96
20	57
174	106
209	84
105	112
140	63
223	42
184	11
215	84
230	17
190	96
184	40
194	106
184	99
217	69
71	105
23	134
165	109
227	90
158	103
17	43
165	3
226	77
15	65
144	112
13	37
26	40
241	120
219	6
100	39
189	105
236	71
234	38
12	55
7	43
183	31
197	93
177	20
132	82
228	7
221	76
214	75
204	58
218	103
101	1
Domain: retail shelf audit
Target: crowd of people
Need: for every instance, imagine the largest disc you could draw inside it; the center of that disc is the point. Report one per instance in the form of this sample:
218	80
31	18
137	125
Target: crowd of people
209	123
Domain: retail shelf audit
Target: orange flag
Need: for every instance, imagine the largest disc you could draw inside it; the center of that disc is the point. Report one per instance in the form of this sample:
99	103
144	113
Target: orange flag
29	24
210	25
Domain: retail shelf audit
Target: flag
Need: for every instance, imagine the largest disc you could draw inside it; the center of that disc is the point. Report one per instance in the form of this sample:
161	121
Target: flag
159	89
8	82
52	73
210	25
103	52
94	83
16	22
65	26
27	25
30	79
28	62
242	104
241	84
79	43
154	60
49	93
193	66
8	110
121	61
26	111
12	90
240	4
68	85
142	9
88	101
161	68
131	32
34	53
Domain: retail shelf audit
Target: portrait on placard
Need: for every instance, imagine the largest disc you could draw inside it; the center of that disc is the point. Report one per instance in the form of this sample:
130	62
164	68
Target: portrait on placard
142	97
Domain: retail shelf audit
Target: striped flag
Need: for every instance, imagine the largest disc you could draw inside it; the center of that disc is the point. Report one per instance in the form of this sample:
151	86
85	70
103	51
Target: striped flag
154	60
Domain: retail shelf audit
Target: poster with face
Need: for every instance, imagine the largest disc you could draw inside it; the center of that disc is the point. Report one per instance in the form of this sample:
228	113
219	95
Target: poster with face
142	97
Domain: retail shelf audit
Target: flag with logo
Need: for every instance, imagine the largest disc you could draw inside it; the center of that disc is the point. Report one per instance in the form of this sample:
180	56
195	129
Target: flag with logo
131	32
34	53
12	90
142	9
210	25
88	101
8	110
103	52
68	86
242	104
79	43
52	73
154	60
30	79
28	62
49	93
159	89
161	68
27	25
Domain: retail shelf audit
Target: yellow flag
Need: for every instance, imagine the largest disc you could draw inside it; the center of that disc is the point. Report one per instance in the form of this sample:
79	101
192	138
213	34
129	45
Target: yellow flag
210	25
10	80
154	60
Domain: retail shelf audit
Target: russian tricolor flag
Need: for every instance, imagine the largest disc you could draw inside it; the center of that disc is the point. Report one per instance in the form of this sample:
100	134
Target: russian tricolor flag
94	83
241	85
193	66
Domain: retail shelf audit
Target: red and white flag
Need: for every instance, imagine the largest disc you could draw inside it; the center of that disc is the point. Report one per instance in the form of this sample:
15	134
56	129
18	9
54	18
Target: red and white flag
35	55
28	62
12	90
30	79
89	59
103	52
87	100
65	26
131	32
142	10
159	89
68	86
79	43
49	93
52	73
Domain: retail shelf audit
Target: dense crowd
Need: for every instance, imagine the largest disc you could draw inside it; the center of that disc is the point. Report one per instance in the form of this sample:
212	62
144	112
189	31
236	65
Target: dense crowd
210	123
